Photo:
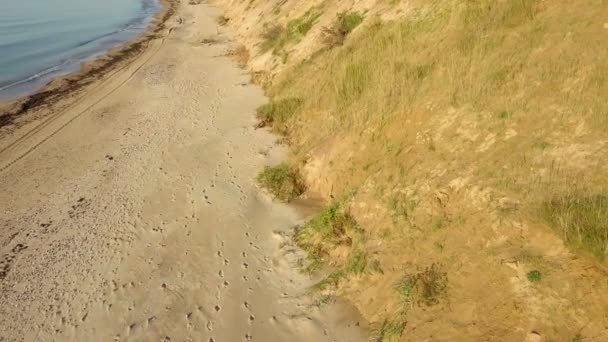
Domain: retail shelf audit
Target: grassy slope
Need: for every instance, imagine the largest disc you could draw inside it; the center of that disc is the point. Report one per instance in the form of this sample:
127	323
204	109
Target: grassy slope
466	141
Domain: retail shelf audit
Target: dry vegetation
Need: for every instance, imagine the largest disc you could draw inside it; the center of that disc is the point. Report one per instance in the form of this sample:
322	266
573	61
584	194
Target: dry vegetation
466	141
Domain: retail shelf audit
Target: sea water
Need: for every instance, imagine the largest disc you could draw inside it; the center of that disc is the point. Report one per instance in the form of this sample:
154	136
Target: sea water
42	39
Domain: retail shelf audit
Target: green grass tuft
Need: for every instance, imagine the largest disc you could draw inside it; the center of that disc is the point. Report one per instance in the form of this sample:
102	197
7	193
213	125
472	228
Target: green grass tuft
332	224
346	23
350	21
299	27
282	181
534	276
276	37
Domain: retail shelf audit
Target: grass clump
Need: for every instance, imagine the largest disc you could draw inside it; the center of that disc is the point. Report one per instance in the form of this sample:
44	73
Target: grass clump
346	23
331	225
534	276
299	27
272	37
581	220
424	288
350	21
391	331
223	20
277	113
277	37
357	262
282	181
328	229
240	54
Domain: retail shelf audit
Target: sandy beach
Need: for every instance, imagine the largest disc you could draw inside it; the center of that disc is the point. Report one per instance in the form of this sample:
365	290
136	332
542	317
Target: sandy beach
130	209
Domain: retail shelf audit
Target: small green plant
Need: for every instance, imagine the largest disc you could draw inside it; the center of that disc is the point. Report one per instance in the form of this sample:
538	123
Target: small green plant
424	288
276	113
283	181
504	115
534	276
439	224
582	220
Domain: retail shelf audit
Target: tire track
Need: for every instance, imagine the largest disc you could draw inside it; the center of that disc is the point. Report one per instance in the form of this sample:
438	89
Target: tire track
61	113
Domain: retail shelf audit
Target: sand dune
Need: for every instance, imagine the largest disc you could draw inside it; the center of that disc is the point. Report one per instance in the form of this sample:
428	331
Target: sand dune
132	213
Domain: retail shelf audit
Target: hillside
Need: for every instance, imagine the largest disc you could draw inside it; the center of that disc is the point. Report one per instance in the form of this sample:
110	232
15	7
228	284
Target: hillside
460	147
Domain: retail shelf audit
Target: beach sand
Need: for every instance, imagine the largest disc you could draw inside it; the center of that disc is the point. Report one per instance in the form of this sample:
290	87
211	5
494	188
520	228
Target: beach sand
130	211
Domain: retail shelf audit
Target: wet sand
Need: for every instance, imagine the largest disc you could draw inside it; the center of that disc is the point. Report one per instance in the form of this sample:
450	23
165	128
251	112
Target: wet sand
130	211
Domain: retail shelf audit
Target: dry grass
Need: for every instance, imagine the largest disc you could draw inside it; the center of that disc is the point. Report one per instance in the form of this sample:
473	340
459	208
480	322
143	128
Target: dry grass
505	64
277	114
458	123
582	221
427	287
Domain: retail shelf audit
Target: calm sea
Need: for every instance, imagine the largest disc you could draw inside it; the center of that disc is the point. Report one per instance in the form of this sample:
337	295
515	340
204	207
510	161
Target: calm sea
42	39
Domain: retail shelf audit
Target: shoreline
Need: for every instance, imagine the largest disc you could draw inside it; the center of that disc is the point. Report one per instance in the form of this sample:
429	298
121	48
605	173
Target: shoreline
64	86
